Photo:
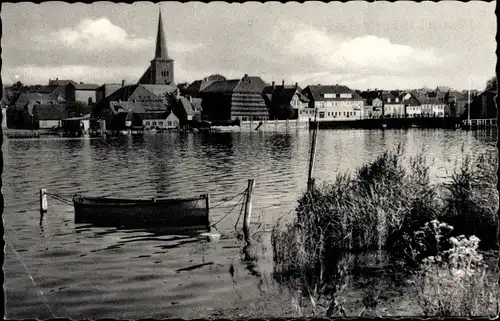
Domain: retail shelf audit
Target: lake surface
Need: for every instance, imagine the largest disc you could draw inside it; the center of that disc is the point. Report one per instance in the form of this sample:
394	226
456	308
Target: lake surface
56	268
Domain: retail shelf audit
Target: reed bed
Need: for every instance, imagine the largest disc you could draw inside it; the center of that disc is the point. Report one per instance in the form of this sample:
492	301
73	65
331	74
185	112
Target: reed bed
384	206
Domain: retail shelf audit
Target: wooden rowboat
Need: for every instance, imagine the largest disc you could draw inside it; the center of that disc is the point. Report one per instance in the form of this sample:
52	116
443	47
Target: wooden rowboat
135	213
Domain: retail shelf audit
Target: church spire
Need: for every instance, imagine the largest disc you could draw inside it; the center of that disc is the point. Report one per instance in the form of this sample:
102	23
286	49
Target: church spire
161	43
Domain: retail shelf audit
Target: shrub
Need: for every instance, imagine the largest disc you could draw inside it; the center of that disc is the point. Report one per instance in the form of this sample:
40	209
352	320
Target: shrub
456	283
471	203
384	205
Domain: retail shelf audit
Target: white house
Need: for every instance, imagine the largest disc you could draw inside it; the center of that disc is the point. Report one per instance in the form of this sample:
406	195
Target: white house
334	102
393	107
166	120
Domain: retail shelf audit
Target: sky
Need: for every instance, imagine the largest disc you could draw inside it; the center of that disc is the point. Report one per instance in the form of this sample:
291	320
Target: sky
362	45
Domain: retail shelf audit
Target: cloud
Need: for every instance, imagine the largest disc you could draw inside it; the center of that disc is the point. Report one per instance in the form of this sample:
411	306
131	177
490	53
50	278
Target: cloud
92	34
360	53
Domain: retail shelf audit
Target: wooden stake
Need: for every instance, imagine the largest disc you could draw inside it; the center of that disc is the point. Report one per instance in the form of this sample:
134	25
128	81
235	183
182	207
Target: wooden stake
207	205
43	200
248	211
310	182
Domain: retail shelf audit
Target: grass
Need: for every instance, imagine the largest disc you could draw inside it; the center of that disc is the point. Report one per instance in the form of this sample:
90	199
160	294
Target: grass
384	206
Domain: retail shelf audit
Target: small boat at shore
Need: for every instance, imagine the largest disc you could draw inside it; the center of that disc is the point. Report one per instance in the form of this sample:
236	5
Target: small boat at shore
136	213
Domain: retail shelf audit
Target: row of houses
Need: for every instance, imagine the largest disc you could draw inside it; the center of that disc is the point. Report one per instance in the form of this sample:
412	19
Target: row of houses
250	98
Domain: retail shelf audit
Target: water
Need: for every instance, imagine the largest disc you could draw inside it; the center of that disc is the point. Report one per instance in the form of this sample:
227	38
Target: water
56	268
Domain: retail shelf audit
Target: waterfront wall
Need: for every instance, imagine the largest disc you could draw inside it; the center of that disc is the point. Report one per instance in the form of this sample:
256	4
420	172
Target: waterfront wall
273	125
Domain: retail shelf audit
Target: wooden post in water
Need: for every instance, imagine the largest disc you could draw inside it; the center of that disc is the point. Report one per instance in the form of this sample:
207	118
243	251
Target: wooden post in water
310	181
207	205
43	201
248	211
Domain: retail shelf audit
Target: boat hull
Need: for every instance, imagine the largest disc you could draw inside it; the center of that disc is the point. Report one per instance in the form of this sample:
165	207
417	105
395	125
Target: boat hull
193	212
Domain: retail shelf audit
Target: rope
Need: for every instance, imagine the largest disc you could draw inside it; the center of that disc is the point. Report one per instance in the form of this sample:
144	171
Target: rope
44	299
226	201
60	199
213	225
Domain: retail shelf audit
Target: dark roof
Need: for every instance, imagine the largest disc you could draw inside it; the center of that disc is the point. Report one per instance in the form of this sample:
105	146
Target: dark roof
50	112
122	93
245	85
159	90
250	85
221	86
146	77
42	89
24	99
196	86
315	92
387	95
138	107
282	94
186	105
196	103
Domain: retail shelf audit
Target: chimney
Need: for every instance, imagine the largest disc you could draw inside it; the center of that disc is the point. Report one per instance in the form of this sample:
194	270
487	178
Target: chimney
272	83
57	81
283	83
123	82
296	85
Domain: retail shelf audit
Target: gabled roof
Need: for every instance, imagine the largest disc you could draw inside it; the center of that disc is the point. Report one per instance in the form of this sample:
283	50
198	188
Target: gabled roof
42	89
196	103
146	77
316	92
58	111
186	105
159	90
221	86
197	86
138	107
245	85
282	94
123	93
250	85
24	98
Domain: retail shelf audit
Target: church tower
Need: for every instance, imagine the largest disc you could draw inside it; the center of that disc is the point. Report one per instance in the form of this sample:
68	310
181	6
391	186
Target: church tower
161	71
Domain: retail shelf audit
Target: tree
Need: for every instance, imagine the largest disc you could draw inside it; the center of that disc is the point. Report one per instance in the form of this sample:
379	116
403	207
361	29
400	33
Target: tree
492	83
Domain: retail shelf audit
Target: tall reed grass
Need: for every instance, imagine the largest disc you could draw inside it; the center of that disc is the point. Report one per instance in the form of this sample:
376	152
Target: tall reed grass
381	207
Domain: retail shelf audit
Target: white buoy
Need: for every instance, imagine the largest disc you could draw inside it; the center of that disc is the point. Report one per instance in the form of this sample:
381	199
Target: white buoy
43	200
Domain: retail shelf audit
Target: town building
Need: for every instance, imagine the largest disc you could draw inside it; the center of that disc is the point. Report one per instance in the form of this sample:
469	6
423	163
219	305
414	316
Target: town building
161	69
196	87
483	105
432	106
107	89
413	107
334	102
48	116
84	93
235	99
392	107
287	102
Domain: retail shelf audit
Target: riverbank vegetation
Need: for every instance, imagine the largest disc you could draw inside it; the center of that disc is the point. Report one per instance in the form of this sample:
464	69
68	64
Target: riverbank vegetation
428	235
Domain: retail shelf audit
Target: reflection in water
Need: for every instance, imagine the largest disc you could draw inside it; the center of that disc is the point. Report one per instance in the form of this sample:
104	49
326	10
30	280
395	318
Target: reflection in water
143	263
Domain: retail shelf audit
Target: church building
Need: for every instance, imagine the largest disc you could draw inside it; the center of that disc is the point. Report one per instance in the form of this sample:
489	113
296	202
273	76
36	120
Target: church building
161	70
